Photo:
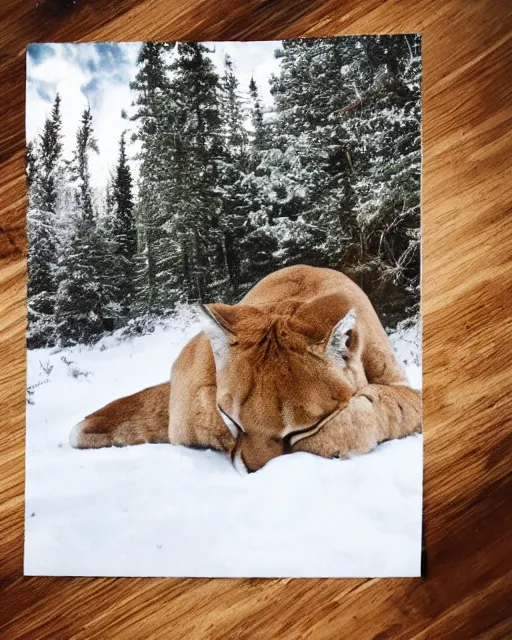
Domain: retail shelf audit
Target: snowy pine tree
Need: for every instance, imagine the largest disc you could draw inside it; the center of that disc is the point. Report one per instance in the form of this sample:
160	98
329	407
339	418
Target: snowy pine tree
178	211
290	172
344	174
31	165
152	87
258	126
44	177
85	142
195	202
85	289
123	230
232	184
386	156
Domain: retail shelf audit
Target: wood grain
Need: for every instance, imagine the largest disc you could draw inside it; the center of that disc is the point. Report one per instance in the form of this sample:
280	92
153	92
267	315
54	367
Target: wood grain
467	275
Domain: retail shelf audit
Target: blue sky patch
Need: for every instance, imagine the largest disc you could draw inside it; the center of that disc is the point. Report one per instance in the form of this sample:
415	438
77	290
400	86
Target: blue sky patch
38	52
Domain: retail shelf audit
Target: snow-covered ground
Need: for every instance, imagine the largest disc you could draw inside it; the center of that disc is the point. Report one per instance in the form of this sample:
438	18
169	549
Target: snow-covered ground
160	510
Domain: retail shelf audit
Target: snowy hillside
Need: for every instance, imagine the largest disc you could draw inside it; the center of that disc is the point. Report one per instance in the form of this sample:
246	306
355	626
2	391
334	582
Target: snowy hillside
159	510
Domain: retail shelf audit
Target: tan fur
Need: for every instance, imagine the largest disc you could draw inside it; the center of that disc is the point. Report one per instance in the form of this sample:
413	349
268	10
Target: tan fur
141	417
275	376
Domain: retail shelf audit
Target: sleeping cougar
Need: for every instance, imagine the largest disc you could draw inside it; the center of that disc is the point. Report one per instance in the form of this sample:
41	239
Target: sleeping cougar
301	363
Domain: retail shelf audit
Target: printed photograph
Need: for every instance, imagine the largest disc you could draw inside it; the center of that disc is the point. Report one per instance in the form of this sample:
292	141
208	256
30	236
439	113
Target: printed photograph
224	318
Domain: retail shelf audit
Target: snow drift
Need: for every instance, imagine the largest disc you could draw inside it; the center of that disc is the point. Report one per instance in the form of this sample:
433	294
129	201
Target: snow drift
161	510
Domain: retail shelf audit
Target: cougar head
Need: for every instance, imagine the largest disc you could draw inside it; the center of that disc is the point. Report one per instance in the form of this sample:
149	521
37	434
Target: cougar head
282	372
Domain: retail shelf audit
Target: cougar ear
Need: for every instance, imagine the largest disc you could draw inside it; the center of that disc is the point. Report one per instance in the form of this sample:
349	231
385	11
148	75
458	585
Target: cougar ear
339	341
316	319
218	329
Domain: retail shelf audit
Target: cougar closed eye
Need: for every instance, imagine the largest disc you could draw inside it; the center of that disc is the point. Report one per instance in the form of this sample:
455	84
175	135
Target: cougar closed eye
233	426
294	436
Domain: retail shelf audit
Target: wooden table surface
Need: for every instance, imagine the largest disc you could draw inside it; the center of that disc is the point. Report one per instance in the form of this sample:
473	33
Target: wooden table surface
467	282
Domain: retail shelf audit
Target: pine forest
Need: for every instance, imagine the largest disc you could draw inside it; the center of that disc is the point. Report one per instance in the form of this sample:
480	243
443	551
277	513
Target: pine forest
228	188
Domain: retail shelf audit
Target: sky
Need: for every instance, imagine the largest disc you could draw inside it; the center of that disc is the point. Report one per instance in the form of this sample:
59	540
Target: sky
99	74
